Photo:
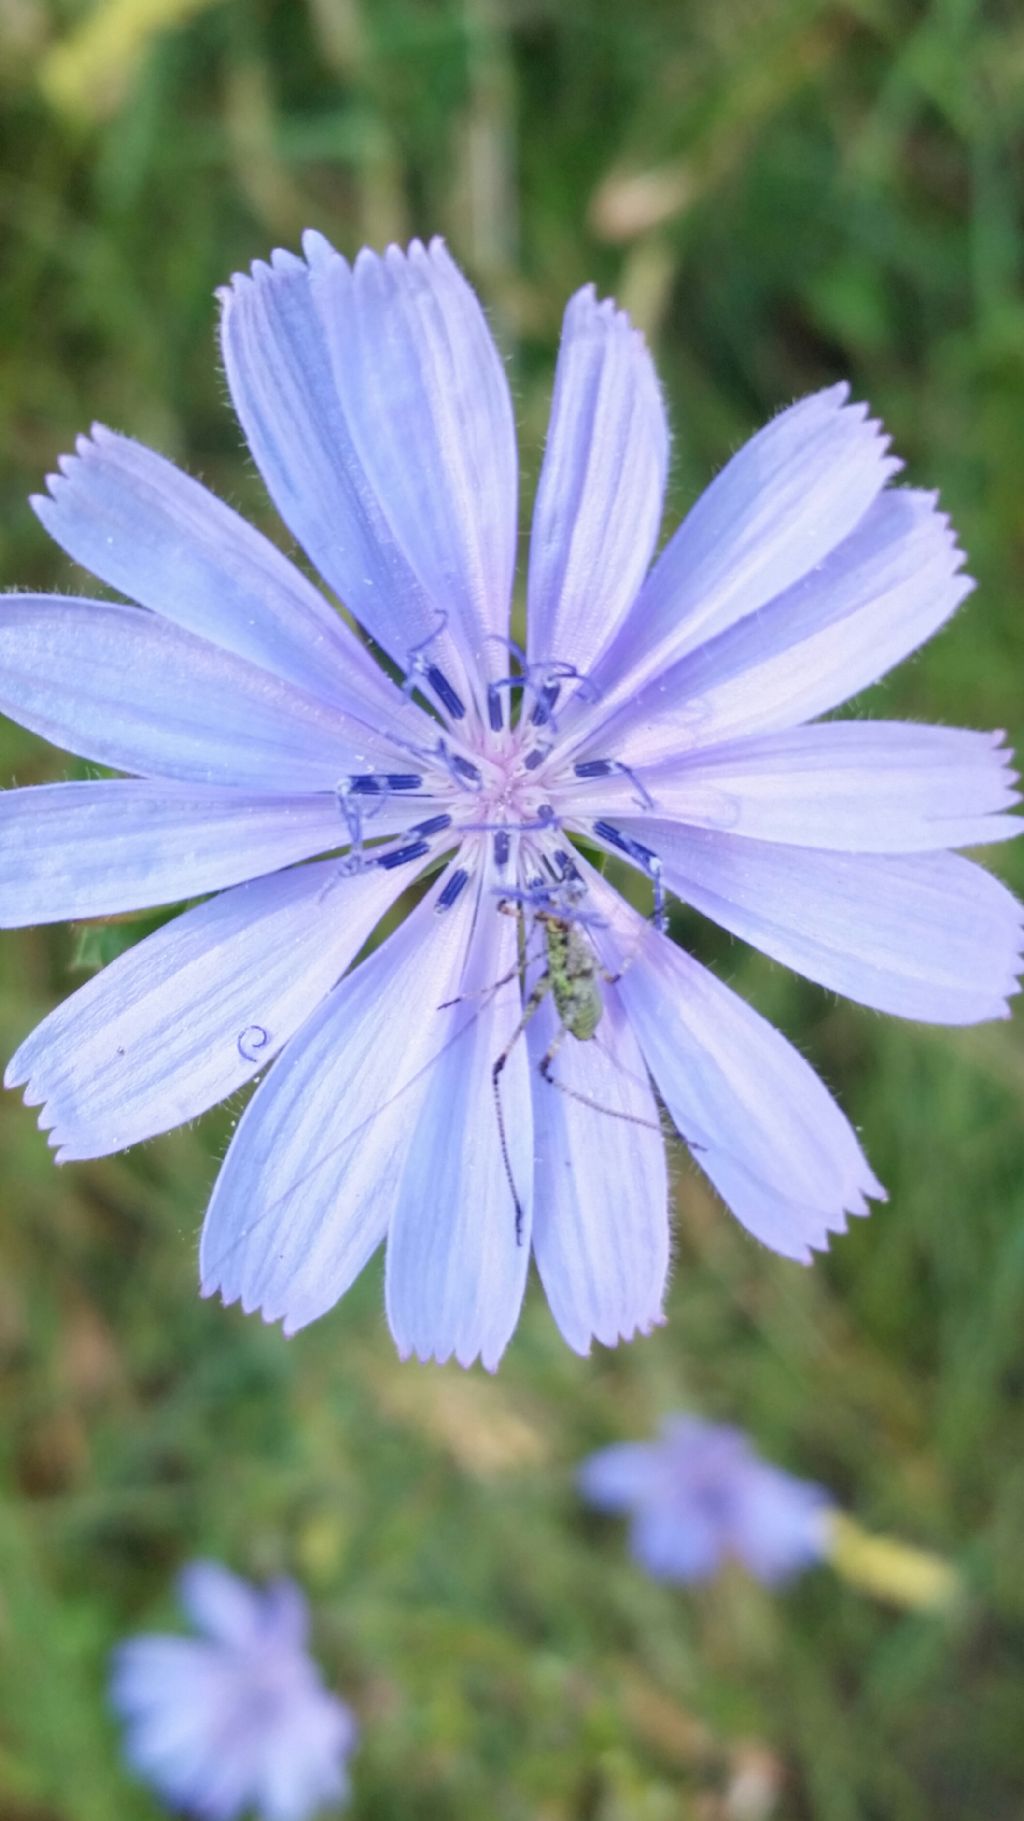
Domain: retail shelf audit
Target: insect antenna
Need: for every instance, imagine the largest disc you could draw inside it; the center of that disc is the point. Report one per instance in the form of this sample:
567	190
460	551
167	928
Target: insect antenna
493	986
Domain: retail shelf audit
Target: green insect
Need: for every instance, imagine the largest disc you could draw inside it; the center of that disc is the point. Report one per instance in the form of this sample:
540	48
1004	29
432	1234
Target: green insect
574	976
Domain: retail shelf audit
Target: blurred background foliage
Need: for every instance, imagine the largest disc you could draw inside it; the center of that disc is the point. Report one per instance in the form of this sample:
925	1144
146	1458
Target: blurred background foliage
783	192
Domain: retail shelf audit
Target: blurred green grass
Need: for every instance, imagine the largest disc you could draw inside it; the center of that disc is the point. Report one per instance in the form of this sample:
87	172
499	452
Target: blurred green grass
784	194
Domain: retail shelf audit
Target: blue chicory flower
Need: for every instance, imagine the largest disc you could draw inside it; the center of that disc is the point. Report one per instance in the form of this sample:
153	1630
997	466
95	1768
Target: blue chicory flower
237	1720
663	715
700	1496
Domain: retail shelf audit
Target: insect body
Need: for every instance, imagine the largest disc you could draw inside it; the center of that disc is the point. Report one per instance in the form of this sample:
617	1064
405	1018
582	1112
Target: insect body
573	976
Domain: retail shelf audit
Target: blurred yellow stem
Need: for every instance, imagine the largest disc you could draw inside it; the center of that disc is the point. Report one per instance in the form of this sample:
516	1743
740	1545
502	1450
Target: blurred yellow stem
891	1570
88	71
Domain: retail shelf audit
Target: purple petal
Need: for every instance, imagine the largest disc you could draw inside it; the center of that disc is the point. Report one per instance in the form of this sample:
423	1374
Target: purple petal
602	486
780	1526
310	1180
852	786
700	1493
128	689
219	1603
620	1477
456	1268
738	1093
601	1228
926	936
427	404
285	1614
303	1768
94	850
239	1721
781	505
176	1697
774	1216
192	1013
154	534
675	1546
149	1666
378	412
874	600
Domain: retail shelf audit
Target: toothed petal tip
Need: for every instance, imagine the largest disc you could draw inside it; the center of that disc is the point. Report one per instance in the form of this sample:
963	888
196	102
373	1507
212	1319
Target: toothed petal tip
582	1348
317	248
282	259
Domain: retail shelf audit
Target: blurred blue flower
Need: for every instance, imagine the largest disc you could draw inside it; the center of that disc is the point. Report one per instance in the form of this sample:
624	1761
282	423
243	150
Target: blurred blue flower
237	1721
660	717
700	1496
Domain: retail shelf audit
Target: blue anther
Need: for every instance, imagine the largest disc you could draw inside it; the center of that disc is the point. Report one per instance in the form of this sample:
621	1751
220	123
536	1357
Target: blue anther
440	685
614	835
562	869
649	861
544	676
433	826
414	851
559	670
502	848
644	855
535	758
495	709
376	783
610	768
451	889
462	770
545	703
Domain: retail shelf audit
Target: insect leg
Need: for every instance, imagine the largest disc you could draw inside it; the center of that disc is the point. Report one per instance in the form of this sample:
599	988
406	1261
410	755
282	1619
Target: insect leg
532	1006
585	1100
